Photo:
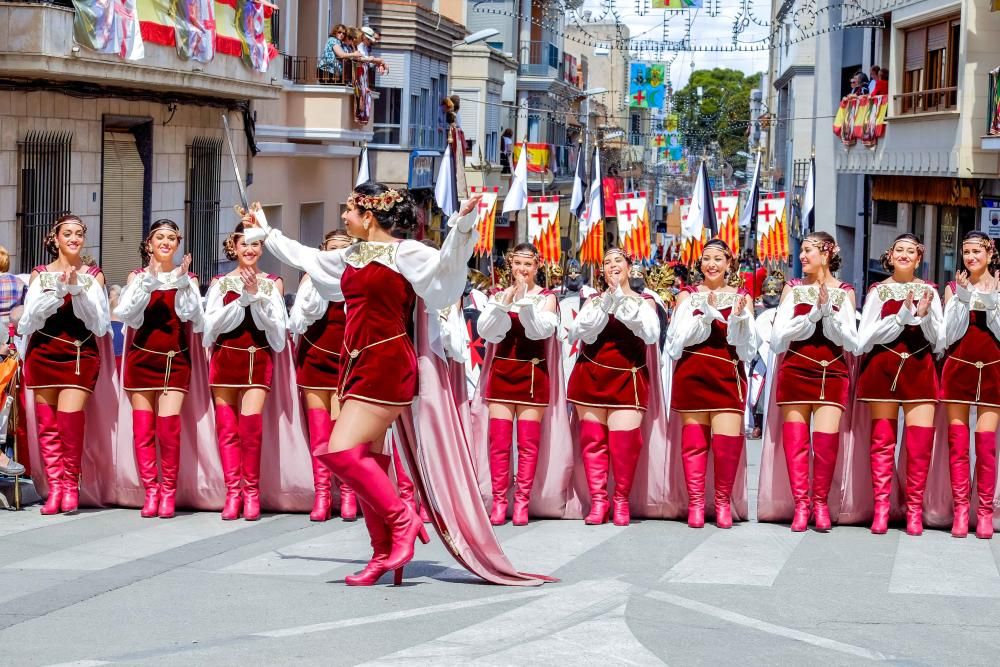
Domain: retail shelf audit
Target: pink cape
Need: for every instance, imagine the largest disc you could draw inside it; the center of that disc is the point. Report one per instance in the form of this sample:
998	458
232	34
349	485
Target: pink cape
97	467
433	443
559	482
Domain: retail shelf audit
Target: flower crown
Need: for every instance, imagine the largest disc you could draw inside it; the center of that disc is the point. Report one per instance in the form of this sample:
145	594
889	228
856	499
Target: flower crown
618	251
988	244
919	246
824	246
382	202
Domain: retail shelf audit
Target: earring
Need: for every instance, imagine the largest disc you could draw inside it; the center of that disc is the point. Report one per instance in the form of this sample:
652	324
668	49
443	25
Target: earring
367	225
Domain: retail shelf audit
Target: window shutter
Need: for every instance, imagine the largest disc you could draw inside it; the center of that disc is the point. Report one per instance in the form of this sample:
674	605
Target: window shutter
121	211
937	37
916	43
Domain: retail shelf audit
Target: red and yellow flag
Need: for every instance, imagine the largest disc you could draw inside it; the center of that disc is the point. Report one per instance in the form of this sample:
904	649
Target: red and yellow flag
772	226
485	220
727	213
538	157
633	224
543	227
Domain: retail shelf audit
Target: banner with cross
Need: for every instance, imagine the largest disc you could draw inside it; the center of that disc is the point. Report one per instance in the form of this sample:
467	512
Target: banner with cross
690	248
727	212
485	219
633	223
772	228
543	227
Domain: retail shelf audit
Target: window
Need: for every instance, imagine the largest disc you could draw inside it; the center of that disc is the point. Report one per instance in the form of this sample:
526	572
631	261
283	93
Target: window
930	67
43	190
388	115
201	206
414	128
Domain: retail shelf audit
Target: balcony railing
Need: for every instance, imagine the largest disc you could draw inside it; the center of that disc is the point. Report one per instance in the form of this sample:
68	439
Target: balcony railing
541	59
429	138
935	99
304	70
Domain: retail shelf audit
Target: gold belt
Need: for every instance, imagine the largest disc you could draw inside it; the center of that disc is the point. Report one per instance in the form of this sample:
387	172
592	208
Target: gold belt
825	364
78	344
980	365
169	354
336	354
534	362
903	356
355	353
252	350
634	370
736	367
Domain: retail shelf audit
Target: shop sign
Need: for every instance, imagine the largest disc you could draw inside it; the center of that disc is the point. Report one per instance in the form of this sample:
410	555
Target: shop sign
990	219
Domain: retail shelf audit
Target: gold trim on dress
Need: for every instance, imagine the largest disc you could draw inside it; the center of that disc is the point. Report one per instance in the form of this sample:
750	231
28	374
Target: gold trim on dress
634	370
252	351
824	364
899	291
736	368
980	365
49	280
534	362
903	356
364	253
170	354
809	294
78	344
723	299
265	285
355	353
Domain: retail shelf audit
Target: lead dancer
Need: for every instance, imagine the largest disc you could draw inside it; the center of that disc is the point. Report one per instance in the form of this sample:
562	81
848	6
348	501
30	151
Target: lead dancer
318	319
711	338
970	377
816	329
158	304
902	328
610	385
381	280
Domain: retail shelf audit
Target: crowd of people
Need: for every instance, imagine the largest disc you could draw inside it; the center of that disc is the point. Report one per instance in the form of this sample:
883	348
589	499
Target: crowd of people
874	83
398	385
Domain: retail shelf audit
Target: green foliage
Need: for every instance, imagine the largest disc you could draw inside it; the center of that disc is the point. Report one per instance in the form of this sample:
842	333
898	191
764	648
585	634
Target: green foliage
722	113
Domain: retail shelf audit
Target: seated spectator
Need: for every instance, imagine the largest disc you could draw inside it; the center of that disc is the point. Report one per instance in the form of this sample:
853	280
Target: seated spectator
12	290
882	85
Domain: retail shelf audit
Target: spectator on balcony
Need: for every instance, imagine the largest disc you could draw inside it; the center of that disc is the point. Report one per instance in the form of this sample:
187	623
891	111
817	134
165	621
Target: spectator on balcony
859	84
506	148
874	73
340	47
369	38
881	86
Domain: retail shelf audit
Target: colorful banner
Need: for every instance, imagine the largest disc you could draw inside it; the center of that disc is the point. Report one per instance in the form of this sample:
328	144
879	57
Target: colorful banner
201	28
539	156
772	228
727	212
691	248
108	27
485	220
543	227
861	117
632	213
646	85
611	185
592	248
677	4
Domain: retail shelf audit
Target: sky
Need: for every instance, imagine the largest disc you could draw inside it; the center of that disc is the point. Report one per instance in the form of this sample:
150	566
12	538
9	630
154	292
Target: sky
706	30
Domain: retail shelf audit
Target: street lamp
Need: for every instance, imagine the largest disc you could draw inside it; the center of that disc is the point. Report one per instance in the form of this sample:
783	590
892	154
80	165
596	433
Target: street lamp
478	36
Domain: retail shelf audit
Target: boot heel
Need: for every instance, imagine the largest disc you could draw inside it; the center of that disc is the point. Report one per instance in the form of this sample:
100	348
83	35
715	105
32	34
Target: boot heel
424	539
397	577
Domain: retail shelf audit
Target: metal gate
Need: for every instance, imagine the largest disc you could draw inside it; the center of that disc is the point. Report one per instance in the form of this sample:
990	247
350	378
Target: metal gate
44	191
204	183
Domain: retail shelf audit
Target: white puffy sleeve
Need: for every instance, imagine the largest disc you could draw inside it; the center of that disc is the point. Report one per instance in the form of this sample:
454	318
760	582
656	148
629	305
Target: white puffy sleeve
841	326
308	308
220	317
742	334
875	329
268	312
639	315
790	327
589	322
539	320
494	320
187	302
90	304
39	305
325	267
439	276
991	300
956	315
454	334
688	327
933	323
134	298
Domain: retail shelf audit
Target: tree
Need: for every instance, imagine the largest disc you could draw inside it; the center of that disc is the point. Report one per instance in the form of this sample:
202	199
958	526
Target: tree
720	114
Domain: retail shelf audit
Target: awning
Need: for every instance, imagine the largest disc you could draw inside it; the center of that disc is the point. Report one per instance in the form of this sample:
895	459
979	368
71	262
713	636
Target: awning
923	190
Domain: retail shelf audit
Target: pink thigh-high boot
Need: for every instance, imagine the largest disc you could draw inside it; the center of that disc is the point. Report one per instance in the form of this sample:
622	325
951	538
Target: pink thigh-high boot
72	426
919	445
403	482
227	429
726	453
381	540
795	442
53	455
251	440
958	459
625	448
168	431
529	438
596	459
986	482
144	445
825	448
320	427
694	455
883	459
501	438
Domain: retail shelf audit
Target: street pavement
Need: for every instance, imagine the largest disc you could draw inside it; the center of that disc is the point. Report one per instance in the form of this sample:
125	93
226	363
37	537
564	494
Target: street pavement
108	587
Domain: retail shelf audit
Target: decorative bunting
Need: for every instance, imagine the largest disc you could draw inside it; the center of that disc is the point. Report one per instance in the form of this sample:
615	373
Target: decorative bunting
485	219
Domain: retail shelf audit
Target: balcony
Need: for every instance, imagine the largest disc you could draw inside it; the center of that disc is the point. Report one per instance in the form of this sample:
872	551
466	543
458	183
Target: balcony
544	69
36	43
427	138
305	71
991	140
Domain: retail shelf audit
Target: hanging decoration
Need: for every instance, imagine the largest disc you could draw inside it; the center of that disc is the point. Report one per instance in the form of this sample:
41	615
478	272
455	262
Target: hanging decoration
485	219
543	227
632	212
772	228
727	212
646	86
110	27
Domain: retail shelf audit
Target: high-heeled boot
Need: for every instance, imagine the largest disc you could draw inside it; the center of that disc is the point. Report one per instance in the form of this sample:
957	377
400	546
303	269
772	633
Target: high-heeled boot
625	448
168	431
958	460
726	453
51	450
381	540
319	437
883	460
694	456
144	444
795	442
227	430
358	468
986	482
529	438
72	426
919	443
251	436
501	437
403	482
594	451
348	503
825	448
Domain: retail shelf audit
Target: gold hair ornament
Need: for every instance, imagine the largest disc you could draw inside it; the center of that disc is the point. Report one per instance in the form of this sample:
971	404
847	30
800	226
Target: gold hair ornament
382	202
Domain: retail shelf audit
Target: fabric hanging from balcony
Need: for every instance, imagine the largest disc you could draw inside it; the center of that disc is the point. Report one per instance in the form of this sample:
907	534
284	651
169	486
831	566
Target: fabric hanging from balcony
108	28
922	190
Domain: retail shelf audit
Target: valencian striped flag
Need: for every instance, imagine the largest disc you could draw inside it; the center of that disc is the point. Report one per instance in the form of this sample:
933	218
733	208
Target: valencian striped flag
727	210
591	229
772	228
485	219
633	224
700	221
543	227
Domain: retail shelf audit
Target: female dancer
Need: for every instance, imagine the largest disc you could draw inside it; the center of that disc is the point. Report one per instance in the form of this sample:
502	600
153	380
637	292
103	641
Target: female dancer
971	377
711	338
157	304
902	327
245	320
319	320
65	311
815	328
610	384
518	321
380	280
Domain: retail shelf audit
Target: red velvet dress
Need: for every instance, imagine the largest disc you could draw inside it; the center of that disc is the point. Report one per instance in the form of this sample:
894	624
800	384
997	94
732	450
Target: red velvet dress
971	370
611	372
520	372
242	357
709	376
317	360
158	357
379	363
814	370
888	376
63	354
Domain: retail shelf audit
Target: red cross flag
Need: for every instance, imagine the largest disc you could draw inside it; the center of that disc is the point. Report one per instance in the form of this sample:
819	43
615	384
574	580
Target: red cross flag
772	228
727	212
543	227
485	220
633	224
